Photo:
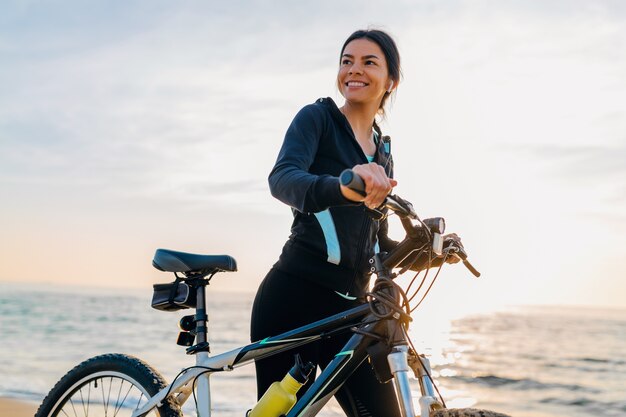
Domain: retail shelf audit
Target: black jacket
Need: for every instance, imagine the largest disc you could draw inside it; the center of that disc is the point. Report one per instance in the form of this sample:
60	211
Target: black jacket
332	238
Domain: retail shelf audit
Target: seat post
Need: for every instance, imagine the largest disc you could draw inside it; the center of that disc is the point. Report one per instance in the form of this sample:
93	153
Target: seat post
203	405
202	317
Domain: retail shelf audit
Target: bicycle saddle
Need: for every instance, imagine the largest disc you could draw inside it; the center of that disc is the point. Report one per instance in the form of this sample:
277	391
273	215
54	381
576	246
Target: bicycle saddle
172	261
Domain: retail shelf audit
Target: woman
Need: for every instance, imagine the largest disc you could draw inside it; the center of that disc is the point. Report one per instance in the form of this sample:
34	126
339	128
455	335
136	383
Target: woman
323	268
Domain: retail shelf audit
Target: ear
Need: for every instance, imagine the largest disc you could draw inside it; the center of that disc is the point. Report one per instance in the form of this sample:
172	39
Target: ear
391	85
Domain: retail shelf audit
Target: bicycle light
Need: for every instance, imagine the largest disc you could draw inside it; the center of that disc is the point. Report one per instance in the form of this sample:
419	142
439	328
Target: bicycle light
187	323
436	224
188	326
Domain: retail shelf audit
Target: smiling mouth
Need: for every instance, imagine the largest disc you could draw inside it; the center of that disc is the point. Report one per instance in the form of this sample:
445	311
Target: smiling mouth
356	84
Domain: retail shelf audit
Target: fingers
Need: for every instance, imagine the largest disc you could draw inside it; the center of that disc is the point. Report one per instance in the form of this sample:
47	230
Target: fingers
454	237
452	259
457	242
377	184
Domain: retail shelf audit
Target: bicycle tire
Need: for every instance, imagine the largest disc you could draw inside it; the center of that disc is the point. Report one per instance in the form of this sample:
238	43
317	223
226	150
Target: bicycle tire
115	381
465	412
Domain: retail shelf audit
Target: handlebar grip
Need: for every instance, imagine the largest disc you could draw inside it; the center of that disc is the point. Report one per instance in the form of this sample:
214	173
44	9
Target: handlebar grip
463	256
351	180
471	268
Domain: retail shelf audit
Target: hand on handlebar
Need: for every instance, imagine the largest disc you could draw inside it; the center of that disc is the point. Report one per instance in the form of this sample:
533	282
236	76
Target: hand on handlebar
377	185
456	253
353	186
451	245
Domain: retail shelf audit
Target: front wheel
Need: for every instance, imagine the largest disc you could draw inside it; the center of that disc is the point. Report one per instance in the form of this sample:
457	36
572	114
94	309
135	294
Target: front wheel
465	412
107	385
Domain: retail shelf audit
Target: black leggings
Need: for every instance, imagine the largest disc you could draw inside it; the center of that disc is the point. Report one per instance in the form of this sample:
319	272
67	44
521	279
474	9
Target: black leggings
285	302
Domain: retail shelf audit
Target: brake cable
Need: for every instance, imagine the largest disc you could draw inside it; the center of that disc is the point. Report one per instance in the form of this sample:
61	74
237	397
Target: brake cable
407	338
431	284
389	305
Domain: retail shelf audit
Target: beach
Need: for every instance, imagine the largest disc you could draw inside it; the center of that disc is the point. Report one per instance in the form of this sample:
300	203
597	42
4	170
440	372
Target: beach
16	408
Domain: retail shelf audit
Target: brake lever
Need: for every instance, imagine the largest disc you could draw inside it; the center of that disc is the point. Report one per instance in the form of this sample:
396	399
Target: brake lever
400	205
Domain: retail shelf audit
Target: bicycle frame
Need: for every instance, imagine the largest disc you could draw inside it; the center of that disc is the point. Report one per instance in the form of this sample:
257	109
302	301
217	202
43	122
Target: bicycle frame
345	362
227	361
329	381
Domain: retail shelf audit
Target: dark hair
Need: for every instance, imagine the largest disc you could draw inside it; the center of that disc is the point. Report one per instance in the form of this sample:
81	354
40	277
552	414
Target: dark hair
389	48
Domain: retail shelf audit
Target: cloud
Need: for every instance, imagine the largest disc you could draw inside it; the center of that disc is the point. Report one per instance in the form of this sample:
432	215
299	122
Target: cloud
123	121
589	181
130	95
591	163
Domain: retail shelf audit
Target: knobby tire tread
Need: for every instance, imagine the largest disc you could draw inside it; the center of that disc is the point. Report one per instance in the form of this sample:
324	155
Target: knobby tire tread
144	374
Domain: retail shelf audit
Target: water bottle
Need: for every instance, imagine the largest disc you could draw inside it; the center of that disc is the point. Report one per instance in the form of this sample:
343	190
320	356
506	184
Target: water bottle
281	395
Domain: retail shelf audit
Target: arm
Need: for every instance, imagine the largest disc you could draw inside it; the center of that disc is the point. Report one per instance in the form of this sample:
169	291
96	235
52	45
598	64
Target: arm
290	180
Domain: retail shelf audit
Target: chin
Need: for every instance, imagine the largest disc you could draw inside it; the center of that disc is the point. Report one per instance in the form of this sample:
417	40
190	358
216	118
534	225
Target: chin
357	100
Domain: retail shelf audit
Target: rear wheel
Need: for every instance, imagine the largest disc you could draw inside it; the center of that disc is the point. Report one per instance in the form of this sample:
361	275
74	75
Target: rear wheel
465	412
107	385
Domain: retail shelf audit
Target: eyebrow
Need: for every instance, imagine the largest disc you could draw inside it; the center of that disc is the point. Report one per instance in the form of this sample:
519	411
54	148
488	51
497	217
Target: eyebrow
365	57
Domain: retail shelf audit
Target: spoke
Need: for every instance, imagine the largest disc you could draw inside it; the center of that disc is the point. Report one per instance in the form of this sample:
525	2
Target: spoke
108	397
139	401
88	398
79	403
118	397
123	399
103	396
73	408
82	401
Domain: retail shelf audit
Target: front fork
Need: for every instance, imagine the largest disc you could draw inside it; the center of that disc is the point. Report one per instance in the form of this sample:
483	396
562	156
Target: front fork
400	361
428	400
400	364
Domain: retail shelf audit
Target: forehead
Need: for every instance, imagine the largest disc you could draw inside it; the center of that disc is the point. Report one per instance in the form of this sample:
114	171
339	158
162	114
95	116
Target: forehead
363	46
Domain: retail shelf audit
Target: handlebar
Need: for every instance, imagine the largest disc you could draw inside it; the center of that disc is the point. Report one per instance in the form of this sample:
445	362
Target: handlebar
405	211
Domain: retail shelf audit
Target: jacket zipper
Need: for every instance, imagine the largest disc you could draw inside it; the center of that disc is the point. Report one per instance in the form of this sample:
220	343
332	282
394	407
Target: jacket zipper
364	227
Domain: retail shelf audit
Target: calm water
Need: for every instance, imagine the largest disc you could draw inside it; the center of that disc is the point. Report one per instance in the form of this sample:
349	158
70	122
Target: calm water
528	362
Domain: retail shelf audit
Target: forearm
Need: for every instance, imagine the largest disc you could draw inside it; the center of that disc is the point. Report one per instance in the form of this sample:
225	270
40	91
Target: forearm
303	191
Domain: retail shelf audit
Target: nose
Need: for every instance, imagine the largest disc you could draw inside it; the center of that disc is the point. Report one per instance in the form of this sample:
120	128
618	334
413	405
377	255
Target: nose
356	68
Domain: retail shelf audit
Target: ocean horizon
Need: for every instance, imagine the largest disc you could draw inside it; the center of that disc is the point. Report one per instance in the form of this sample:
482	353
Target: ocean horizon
527	361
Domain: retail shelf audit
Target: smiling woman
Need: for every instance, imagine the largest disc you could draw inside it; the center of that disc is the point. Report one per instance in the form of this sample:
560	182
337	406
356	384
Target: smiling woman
324	268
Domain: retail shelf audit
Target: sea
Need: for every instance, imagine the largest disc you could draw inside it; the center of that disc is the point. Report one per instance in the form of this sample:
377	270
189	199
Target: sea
526	361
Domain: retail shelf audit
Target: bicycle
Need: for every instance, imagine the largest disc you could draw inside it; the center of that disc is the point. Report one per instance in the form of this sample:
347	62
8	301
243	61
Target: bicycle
114	383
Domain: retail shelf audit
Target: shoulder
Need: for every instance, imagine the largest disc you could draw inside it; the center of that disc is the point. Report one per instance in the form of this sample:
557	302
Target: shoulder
320	108
316	114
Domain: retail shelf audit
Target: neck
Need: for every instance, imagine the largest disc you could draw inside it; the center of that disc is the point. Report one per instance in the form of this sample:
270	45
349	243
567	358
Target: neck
361	118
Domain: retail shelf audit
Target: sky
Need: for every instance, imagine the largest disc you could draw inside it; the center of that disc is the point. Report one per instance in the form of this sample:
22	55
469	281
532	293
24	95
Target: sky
127	126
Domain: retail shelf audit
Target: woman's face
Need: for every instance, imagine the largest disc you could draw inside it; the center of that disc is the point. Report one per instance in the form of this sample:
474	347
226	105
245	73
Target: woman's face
363	76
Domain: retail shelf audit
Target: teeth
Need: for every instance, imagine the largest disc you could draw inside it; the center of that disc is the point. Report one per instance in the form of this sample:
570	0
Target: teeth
356	84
